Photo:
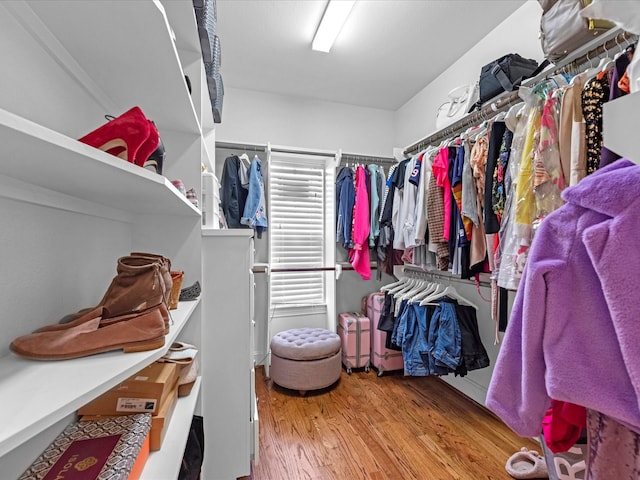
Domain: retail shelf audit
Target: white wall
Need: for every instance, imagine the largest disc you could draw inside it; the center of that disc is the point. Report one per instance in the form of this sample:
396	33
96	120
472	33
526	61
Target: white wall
516	34
257	117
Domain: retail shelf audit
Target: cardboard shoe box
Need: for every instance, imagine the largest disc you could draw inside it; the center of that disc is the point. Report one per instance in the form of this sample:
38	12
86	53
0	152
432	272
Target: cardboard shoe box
160	422
143	392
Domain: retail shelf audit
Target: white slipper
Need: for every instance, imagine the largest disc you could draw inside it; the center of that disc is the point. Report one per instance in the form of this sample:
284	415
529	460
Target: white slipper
527	464
180	353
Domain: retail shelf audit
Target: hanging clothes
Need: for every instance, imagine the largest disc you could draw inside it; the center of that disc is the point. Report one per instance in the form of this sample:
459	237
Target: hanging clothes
435	222
562	425
414	340
595	93
441	174
255	211
498	129
458	242
439	338
500	185
619	68
572	137
548	179
572	305
345	199
404	227
443	341
473	355
524	195
390	256
359	254
469	192
509	273
614	450
386	221
456	189
478	164
233	194
398	185
376	174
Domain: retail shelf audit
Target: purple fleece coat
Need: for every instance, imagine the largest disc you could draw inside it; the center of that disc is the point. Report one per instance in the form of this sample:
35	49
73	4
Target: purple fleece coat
574	332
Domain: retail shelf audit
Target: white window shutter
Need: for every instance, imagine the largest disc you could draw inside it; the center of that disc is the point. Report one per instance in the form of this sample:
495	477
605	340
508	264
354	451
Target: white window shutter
298	229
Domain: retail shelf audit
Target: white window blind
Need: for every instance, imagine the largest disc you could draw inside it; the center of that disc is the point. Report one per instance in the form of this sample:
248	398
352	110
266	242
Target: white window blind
298	230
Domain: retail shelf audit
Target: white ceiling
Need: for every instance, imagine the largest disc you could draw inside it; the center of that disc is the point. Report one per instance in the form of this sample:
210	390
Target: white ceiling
387	51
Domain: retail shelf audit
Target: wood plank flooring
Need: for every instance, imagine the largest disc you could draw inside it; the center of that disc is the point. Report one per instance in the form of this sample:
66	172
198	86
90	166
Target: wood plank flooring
379	428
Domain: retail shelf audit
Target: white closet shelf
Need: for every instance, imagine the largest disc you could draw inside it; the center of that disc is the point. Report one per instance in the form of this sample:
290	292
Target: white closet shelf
118	54
39	156
228	232
618	114
182	19
166	462
37	394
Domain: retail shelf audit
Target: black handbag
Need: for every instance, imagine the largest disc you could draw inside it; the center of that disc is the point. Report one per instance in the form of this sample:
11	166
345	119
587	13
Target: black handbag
505	75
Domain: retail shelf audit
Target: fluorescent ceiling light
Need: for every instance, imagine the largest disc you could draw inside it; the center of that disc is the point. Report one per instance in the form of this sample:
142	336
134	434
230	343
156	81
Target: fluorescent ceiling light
332	21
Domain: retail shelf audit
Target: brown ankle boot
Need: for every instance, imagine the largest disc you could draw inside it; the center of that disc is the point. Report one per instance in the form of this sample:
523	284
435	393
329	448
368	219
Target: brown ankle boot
165	269
138	286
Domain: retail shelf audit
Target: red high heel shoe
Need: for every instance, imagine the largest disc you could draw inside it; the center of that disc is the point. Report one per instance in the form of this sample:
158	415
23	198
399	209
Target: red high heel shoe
149	146
131	136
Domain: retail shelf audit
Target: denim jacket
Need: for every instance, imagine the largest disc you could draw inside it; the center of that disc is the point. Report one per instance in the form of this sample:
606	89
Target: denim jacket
255	212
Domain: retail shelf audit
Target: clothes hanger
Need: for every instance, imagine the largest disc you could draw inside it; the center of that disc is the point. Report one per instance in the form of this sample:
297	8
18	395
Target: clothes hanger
385	288
605	62
433	295
500	117
482	131
409	286
511	119
467	133
419	287
245	158
450	292
431	287
403	284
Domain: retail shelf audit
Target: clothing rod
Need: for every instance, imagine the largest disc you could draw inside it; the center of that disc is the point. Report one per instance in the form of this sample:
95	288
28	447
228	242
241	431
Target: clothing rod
241	146
465	122
310	269
302	151
350	157
609	42
418	272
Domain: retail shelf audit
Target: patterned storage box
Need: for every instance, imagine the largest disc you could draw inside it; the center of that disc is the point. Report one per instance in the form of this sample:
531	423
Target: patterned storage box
105	449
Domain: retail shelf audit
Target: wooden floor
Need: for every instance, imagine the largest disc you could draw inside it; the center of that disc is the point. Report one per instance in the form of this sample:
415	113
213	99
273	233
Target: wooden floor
380	428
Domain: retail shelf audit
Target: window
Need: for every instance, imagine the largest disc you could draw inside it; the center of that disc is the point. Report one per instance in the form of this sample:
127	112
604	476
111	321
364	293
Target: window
301	232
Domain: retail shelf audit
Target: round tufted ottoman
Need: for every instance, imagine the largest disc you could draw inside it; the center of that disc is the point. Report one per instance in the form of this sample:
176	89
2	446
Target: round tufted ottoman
305	358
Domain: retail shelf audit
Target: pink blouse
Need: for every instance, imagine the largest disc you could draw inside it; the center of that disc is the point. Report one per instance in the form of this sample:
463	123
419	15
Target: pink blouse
359	254
441	172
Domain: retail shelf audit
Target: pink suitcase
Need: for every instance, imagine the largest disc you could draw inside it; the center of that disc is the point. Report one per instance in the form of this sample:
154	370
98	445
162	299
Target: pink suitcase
355	331
382	358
